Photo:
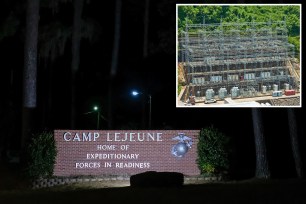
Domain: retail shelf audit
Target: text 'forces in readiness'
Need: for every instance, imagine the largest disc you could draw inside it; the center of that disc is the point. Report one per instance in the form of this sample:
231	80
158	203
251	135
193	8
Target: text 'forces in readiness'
105	156
112	137
121	165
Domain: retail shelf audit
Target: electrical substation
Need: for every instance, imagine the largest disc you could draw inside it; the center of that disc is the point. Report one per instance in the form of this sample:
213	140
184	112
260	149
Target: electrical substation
237	60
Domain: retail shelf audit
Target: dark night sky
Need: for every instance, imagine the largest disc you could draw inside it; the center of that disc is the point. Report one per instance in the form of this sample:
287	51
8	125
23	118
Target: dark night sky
155	75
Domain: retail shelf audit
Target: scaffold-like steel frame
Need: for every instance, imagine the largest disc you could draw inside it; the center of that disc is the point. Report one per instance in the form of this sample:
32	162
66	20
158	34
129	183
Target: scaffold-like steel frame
249	55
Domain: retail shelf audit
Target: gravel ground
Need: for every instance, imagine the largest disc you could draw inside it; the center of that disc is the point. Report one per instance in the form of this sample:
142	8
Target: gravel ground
294	101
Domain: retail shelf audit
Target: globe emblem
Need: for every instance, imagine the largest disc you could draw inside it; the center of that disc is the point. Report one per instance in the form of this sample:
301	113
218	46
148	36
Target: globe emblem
181	148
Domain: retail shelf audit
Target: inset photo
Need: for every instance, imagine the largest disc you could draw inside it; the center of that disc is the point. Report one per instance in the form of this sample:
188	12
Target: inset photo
238	55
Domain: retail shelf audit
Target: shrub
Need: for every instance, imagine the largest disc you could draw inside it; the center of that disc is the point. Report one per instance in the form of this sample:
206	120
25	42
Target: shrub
41	154
296	42
179	89
213	151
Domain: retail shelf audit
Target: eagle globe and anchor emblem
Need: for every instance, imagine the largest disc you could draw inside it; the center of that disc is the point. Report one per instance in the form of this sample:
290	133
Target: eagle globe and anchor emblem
181	148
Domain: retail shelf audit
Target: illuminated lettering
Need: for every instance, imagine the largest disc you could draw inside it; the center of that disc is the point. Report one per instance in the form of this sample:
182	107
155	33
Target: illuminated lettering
81	137
125	137
140	139
112	137
67	138
151	136
108	139
111	156
106	147
86	137
96	136
117	136
122	165
77	137
158	136
134	137
85	165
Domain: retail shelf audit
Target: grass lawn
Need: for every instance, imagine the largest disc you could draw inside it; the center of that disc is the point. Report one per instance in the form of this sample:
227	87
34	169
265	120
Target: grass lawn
250	191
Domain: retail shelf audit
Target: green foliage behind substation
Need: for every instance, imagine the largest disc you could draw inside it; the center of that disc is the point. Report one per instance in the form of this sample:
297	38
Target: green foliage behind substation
195	14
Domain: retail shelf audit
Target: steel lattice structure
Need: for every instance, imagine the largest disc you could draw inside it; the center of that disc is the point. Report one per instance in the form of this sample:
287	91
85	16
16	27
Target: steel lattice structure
249	55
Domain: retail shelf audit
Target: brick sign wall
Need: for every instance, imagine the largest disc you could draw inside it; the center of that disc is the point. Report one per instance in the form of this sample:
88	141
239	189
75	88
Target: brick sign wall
120	152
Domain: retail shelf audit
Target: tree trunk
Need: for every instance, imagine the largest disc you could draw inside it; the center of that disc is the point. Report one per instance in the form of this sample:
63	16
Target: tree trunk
114	63
295	143
146	28
262	166
75	62
30	71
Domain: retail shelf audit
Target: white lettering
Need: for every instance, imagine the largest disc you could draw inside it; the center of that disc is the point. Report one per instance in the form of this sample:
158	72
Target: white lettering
96	136
117	138
77	137
125	137
109	140
106	147
158	136
85	165
132	139
124	147
132	165
86	137
140	139
112	137
111	156
65	136
151	136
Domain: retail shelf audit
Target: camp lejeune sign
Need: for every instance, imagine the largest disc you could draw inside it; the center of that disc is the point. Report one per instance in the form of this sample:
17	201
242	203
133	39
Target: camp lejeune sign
121	152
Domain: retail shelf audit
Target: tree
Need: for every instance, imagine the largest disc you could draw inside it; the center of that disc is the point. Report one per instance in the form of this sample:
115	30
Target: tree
262	166
75	61
53	40
114	63
295	143
146	28
30	70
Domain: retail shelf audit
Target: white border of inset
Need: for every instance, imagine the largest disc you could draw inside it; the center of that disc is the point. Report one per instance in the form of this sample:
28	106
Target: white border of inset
236	105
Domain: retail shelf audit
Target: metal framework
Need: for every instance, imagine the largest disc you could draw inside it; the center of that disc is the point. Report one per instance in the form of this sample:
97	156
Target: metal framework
253	56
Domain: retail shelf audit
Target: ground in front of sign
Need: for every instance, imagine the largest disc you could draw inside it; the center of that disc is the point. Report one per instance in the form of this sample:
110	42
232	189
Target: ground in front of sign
248	191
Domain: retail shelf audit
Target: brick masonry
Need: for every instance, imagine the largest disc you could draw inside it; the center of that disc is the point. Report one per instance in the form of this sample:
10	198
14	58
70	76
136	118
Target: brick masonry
78	158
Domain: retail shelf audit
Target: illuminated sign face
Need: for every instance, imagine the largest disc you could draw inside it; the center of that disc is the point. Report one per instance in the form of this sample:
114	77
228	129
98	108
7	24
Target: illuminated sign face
121	152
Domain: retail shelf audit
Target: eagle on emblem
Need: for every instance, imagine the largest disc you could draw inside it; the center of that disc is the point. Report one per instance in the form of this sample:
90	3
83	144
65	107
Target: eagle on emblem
181	148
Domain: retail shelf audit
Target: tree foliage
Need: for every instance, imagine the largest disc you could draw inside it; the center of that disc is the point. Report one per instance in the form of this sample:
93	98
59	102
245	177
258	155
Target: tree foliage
213	151
42	153
214	14
198	14
296	42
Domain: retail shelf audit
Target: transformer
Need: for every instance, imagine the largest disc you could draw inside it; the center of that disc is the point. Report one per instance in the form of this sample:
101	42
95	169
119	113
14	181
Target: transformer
222	93
235	92
264	89
209	94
